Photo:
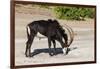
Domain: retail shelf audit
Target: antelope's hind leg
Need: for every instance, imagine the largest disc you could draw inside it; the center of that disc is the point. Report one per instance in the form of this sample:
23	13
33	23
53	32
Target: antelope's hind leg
29	44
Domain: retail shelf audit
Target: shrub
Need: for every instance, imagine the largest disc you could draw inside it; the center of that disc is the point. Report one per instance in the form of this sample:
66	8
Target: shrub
73	13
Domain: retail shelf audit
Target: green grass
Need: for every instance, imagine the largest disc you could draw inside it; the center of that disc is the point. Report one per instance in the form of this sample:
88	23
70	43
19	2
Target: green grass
73	13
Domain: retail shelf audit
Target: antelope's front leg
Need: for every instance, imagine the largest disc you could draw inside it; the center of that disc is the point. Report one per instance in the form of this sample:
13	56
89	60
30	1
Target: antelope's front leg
49	44
54	44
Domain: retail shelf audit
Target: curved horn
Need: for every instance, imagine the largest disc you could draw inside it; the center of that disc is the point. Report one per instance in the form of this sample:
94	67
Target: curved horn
71	33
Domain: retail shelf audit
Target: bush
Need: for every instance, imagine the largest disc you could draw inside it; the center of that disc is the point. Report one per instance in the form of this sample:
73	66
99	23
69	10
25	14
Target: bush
73	13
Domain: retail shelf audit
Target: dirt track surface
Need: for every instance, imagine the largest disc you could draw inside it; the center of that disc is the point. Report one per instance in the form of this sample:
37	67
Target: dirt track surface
82	48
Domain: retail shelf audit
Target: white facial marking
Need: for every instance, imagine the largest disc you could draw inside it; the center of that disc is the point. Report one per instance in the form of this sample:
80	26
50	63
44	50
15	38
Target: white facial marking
64	50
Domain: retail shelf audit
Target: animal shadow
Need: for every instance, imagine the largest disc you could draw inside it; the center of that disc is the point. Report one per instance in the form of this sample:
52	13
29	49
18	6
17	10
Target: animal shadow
46	50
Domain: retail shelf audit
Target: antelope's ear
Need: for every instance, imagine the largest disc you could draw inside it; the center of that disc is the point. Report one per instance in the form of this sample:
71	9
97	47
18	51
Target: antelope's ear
49	20
66	44
55	20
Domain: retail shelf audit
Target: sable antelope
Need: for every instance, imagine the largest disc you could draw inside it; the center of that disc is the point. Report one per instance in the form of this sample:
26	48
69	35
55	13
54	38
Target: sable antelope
52	30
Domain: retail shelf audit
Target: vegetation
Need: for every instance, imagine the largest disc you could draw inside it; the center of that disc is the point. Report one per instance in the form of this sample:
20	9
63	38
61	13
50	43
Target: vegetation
73	13
66	12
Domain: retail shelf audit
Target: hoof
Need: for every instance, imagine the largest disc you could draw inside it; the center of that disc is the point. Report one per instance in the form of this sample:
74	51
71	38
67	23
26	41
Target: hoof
55	54
51	54
29	55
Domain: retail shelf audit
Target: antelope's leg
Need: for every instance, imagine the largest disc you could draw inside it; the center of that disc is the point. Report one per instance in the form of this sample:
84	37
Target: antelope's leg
54	44
29	43
49	44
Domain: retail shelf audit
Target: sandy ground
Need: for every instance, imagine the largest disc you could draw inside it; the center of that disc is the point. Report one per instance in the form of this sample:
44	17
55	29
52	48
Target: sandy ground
82	48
